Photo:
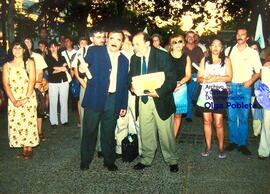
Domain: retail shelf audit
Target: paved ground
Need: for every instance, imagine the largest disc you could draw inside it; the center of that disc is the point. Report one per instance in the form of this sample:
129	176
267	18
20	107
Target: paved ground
55	168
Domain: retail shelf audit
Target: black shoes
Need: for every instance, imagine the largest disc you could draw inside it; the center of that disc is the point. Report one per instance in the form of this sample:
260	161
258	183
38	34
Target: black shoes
244	150
84	167
54	126
174	168
231	147
65	124
139	166
261	157
111	167
189	120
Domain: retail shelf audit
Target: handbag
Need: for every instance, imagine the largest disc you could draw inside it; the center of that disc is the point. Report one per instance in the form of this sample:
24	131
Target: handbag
130	148
75	87
40	103
130	144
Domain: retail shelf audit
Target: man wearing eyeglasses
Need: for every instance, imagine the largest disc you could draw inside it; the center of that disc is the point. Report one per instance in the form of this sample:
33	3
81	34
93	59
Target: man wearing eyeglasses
195	53
156	109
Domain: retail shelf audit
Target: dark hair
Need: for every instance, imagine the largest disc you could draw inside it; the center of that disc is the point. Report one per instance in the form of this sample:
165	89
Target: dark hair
117	31
255	43
156	35
221	55
69	38
43	42
43	28
29	38
94	31
83	38
53	42
242	27
26	54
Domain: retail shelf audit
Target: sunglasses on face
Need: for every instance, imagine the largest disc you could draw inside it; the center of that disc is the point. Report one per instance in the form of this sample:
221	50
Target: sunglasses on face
177	42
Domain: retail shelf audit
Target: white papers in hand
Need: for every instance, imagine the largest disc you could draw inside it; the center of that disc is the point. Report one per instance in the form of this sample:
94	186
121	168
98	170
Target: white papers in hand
149	82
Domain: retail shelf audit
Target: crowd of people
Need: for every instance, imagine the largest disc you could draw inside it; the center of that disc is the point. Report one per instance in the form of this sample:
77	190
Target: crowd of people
40	75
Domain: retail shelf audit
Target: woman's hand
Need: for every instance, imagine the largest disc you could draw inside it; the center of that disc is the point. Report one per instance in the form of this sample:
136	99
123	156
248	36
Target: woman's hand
178	86
209	79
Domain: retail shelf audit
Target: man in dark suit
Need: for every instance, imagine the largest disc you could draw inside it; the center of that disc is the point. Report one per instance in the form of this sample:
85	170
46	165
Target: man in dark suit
105	99
157	108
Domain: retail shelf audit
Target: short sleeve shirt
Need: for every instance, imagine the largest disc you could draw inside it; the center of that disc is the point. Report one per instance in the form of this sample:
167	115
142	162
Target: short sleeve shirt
244	63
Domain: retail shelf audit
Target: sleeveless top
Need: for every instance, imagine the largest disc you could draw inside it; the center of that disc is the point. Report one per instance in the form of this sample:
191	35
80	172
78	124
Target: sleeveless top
179	65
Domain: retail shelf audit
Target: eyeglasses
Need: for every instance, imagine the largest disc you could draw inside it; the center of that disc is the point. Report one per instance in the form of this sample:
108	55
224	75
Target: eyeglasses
177	42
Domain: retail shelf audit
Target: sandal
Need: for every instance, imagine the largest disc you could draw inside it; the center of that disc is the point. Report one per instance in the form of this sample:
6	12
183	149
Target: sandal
20	155
27	155
41	136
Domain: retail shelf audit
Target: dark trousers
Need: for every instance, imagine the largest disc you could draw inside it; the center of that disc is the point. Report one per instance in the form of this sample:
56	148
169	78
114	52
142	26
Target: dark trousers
107	120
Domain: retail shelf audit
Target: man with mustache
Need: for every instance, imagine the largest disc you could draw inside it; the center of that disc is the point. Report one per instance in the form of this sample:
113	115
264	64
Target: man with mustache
246	66
105	99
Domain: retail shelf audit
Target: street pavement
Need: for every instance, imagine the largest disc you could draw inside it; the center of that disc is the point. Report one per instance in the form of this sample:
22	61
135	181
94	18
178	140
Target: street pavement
54	167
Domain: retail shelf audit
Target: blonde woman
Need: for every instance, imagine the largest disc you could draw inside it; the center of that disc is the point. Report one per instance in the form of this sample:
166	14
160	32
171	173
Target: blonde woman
182	65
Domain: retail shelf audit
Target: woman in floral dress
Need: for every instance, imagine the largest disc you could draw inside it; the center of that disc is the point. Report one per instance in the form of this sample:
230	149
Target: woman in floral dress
19	81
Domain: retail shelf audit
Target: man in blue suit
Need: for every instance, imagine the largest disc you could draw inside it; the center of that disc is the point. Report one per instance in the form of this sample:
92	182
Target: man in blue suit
105	99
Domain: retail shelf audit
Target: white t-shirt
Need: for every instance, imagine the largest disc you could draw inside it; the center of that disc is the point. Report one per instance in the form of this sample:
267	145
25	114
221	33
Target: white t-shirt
40	63
69	56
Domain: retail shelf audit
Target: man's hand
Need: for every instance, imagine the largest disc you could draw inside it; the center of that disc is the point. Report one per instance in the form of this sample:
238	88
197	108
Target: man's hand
123	112
247	84
152	94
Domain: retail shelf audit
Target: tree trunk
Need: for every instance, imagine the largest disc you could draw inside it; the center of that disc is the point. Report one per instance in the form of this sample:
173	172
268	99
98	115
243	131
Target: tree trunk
3	24
10	21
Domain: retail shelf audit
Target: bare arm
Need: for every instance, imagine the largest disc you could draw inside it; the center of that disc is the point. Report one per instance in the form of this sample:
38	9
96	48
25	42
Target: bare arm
6	85
254	77
32	78
82	82
39	78
60	69
200	75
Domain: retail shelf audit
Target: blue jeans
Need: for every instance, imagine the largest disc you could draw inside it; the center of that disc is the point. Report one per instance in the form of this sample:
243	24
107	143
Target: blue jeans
238	111
192	87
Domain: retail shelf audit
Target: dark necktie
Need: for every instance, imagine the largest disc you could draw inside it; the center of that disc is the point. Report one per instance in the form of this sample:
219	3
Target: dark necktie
144	71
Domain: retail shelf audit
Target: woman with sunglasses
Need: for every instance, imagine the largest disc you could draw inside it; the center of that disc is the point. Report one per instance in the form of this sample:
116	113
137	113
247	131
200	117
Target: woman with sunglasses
214	72
182	65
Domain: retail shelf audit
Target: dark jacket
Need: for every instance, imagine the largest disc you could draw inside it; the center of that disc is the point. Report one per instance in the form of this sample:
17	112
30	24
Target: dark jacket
96	91
159	61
